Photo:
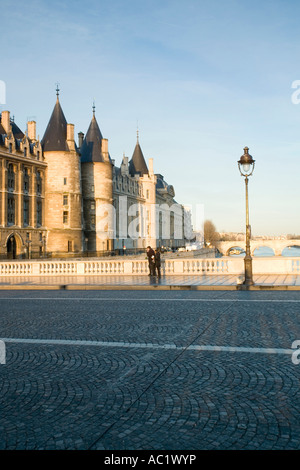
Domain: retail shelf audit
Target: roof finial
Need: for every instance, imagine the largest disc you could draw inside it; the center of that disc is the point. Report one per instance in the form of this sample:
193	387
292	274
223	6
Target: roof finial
57	90
94	107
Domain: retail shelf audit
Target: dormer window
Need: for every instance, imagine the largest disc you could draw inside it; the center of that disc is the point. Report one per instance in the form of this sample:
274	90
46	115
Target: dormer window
25	151
10	148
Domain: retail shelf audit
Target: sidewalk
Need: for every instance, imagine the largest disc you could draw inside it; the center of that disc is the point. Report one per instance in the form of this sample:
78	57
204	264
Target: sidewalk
143	282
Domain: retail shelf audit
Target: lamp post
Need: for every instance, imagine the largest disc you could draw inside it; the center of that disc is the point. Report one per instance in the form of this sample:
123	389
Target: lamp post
246	167
28	241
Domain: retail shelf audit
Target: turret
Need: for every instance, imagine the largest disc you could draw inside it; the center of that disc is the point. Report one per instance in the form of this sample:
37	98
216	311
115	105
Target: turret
96	170
63	185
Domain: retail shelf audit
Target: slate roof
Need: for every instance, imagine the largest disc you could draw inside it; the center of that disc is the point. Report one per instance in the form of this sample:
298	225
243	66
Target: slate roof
91	145
18	134
55	137
163	187
137	164
2	134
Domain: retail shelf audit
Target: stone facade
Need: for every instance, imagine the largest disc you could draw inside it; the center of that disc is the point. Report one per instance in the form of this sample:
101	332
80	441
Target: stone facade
22	191
63	199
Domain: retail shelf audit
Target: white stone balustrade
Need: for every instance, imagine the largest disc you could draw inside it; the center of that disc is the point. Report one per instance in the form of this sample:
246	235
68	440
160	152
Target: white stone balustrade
126	266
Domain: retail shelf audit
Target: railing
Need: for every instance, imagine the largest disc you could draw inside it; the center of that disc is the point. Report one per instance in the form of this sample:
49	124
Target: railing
182	266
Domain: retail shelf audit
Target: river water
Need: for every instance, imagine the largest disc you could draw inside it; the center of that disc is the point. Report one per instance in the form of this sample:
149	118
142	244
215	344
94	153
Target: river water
265	251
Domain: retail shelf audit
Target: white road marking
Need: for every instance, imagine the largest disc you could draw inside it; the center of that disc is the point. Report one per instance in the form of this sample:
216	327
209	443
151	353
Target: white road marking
145	299
121	344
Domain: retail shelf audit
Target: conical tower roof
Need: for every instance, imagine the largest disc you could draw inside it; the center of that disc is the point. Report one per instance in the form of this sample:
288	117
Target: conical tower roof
137	164
91	145
55	137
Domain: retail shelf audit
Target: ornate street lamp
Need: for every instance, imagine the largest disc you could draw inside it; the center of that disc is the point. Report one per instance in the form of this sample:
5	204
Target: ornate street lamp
246	167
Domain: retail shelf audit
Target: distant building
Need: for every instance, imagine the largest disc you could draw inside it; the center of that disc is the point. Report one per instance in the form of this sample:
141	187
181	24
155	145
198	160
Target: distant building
59	198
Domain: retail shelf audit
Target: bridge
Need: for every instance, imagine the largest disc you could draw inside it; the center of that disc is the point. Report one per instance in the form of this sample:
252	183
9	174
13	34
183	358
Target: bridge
276	245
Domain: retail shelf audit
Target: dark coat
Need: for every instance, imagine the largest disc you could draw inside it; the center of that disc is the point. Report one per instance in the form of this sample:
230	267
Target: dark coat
157	259
150	255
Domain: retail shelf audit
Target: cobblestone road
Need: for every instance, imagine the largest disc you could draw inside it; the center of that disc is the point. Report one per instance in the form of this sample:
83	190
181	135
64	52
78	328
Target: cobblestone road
149	370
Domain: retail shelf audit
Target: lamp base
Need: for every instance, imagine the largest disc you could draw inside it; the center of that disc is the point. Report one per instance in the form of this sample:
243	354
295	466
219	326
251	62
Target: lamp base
248	271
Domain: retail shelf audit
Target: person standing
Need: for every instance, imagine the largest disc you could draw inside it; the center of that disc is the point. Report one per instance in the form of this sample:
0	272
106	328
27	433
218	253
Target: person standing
157	262
151	260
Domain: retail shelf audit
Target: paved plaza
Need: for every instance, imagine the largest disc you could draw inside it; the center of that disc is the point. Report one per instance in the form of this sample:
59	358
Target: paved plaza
139	370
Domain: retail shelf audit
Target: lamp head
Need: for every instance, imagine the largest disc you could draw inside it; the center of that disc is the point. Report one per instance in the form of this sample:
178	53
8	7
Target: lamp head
246	163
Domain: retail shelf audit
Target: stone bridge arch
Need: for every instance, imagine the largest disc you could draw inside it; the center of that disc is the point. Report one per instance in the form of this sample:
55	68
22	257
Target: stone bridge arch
276	245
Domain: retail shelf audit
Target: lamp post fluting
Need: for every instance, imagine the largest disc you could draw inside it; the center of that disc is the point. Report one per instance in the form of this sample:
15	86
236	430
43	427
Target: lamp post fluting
246	167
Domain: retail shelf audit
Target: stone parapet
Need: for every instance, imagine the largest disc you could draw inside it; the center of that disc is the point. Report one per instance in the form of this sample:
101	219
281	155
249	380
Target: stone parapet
106	267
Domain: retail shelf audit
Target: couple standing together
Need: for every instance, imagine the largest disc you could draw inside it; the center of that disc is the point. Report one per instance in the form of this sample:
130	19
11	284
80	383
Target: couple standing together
154	261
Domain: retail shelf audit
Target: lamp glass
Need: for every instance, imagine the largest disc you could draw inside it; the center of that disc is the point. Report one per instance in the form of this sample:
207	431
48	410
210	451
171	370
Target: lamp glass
246	168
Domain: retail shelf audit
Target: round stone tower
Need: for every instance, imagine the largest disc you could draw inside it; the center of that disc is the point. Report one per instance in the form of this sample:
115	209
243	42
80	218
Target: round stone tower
97	190
63	201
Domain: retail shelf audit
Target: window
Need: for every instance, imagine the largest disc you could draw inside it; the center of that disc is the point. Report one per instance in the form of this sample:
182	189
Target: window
70	246
93	220
65	200
39	213
65	217
10	210
65	181
147	194
38	182
25	151
10	148
92	206
26	180
11	177
26	211
38	155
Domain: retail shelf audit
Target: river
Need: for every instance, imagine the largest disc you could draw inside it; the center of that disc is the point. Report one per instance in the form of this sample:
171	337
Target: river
265	251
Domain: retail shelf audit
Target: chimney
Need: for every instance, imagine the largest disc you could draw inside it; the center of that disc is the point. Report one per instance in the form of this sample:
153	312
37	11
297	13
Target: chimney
124	166
104	146
5	121
70	136
104	149
151	173
70	131
31	130
80	139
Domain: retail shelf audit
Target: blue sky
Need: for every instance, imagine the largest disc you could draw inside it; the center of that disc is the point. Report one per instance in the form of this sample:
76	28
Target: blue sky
200	79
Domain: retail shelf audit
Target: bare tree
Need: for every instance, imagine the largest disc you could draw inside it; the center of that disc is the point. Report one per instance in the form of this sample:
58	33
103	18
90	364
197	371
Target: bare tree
210	233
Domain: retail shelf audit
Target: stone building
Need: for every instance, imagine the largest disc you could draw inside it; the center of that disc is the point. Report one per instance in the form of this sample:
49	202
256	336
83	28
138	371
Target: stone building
22	191
62	198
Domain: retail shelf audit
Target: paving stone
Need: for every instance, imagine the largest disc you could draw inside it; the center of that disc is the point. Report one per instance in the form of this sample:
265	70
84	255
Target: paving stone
137	395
